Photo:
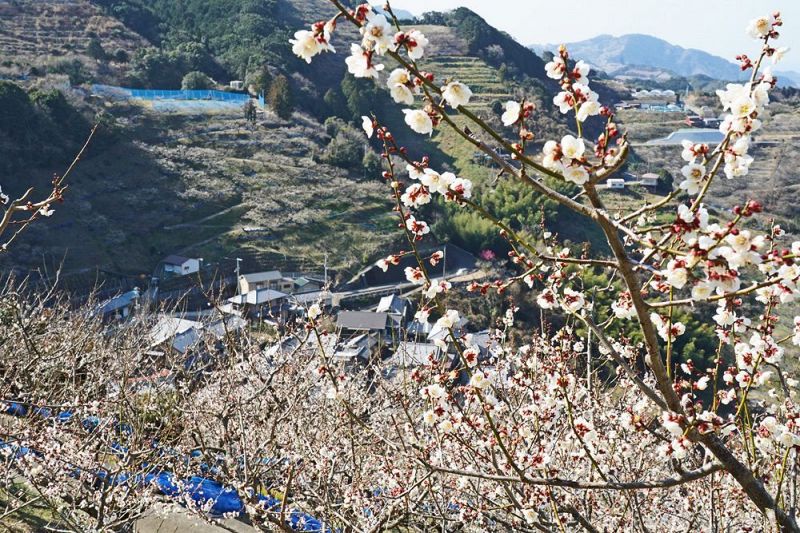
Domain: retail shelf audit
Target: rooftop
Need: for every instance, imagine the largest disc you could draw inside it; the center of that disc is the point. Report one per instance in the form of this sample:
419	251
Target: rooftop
168	327
410	354
175	260
392	304
258	277
696	135
257	297
362	320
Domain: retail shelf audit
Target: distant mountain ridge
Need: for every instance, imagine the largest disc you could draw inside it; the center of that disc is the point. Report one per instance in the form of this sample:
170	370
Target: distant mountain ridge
615	55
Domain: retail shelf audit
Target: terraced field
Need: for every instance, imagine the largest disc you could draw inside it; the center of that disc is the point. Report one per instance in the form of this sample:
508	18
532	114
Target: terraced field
212	186
483	79
42	33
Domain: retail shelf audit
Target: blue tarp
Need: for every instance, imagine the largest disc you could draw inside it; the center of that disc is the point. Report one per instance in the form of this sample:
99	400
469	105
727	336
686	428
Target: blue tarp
201	489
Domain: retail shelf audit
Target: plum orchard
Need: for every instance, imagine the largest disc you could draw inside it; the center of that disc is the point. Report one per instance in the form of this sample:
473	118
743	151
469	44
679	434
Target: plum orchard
510	434
524	439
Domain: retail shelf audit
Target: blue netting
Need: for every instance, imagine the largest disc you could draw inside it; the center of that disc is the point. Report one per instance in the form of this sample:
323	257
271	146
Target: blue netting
158	94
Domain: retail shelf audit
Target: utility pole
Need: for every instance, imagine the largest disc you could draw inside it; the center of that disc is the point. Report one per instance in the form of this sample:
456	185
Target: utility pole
238	273
326	269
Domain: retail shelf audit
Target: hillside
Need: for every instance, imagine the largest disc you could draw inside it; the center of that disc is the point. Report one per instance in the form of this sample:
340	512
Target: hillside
159	181
209	186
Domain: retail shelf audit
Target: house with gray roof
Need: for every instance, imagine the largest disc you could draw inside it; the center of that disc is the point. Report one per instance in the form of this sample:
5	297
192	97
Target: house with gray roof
271	279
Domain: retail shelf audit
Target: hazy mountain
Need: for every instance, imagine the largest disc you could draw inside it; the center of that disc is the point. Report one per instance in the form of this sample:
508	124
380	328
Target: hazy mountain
401	14
616	55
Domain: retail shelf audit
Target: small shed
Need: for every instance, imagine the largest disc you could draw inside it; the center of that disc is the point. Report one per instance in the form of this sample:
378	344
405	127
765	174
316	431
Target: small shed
649	179
616	183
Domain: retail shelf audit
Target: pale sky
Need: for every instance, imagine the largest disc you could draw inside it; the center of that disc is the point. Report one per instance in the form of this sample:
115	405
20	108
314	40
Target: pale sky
715	26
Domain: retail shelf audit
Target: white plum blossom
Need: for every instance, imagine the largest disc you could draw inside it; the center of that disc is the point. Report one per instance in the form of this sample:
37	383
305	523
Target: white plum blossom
546	299
623	307
573	300
314	311
437	183
702	291
417	227
479	381
588	109
564	101
676	274
576	174
306	45
401	94
415	275
462	187
665	331
552	156
419	121
377	33
416	42
398	76
437	288
572	148
416	195
456	94
413	172
779	54
360	64
449	320
434	392
694	173
556	68
367	126
580	73
398	84
758	28
512	113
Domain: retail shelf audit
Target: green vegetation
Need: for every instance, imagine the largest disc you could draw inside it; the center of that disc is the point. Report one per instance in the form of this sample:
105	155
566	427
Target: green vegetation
279	97
40	125
234	31
196	80
160	69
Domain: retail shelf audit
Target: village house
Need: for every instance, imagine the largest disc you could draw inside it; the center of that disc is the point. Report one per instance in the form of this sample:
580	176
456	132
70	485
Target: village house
272	279
385	325
275	280
401	308
177	265
356	350
175	334
119	307
262	304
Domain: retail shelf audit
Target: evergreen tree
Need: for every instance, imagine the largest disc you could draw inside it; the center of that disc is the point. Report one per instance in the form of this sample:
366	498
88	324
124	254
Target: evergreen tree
279	97
250	112
95	49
